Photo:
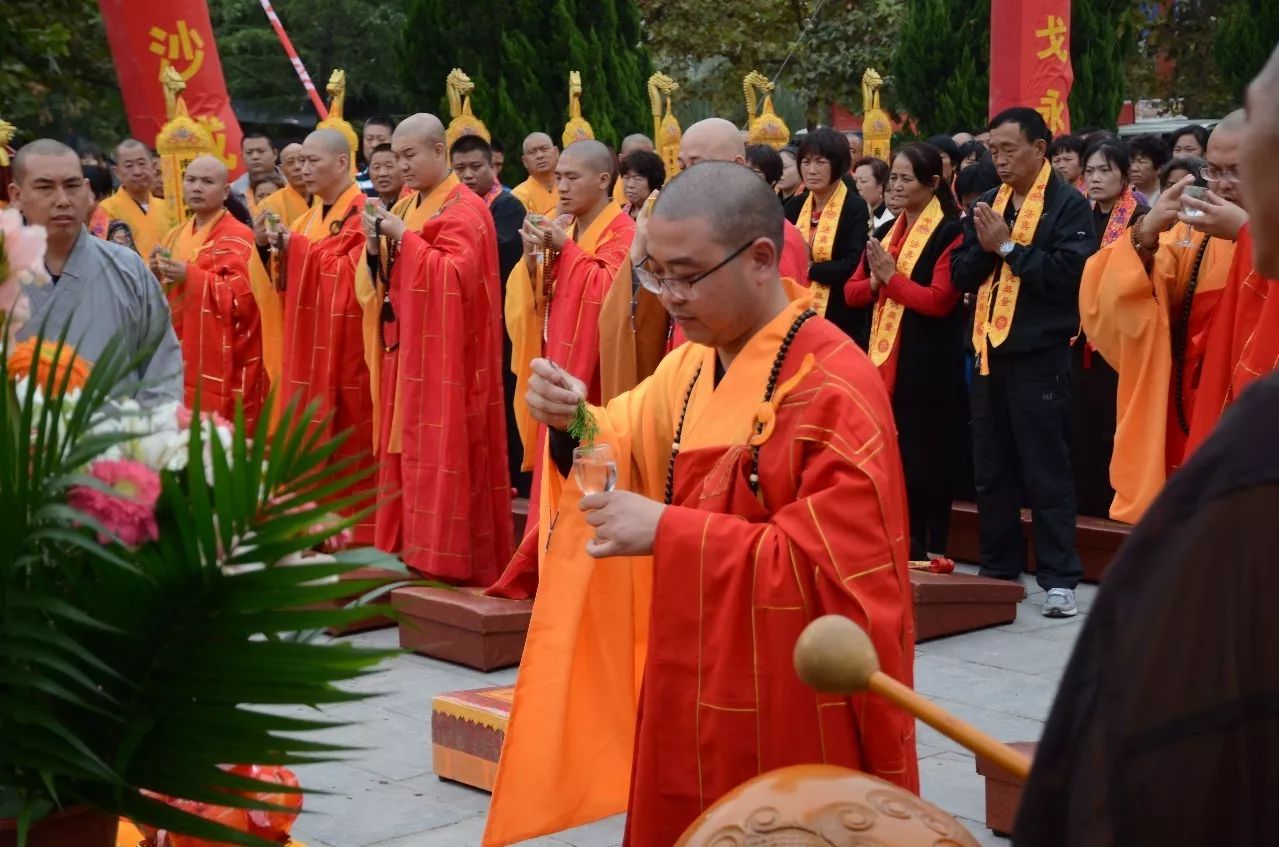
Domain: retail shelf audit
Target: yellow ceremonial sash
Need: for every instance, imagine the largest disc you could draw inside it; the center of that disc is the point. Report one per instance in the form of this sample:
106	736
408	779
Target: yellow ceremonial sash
994	328
147	227
184	243
822	242
888	312
370	293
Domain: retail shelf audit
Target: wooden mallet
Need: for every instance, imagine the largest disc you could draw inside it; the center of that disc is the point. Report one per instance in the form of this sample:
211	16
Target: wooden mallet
835	655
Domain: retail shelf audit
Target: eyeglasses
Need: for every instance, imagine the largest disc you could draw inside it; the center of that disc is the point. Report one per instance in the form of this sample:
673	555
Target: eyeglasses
1212	173
680	285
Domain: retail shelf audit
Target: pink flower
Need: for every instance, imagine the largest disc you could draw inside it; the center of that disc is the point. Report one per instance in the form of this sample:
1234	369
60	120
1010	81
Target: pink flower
129	509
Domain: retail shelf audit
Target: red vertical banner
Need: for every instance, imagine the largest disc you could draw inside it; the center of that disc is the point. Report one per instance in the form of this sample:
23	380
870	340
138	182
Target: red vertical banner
148	35
1030	58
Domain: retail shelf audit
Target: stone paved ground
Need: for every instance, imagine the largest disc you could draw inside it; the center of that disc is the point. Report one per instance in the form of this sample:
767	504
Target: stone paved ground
385	795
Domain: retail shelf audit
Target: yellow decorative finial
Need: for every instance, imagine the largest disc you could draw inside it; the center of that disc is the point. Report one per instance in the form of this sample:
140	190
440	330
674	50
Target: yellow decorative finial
577	128
666	128
7	131
337	102
877	126
459	88
766	127
181	140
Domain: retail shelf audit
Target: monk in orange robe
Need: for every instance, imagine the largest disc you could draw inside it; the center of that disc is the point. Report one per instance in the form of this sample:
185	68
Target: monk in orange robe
323	321
539	192
579	310
292	201
758	487
134	202
1147	303
432	305
221	300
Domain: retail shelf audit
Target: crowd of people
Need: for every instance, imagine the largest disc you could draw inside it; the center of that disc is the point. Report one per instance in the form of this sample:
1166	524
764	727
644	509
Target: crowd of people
1052	323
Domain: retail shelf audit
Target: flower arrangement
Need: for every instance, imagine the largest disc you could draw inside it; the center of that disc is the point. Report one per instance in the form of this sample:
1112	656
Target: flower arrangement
156	593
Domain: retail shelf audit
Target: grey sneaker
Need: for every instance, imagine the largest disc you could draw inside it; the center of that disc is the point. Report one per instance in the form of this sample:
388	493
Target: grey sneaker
1060	603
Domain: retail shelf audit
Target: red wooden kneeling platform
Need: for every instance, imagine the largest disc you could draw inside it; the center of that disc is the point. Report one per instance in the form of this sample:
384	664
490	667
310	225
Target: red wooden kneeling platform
1096	539
947	604
1003	790
467	731
462	625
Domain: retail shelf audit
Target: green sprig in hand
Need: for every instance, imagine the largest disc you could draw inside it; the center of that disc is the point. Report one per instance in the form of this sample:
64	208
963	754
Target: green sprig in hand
583	426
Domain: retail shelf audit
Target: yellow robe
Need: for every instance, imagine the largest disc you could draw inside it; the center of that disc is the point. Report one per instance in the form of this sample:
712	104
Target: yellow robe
149	227
1128	315
287	203
536	199
370	293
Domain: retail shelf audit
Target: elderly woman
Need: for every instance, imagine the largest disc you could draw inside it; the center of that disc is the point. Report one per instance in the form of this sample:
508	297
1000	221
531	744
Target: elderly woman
870	175
833	220
642	173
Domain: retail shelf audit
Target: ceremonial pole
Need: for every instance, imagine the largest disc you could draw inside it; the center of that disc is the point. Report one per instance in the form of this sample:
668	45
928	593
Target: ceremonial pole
295	59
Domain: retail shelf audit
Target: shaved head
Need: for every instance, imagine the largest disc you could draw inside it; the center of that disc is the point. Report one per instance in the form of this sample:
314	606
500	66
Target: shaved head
584	177
421	151
711	140
594	155
738	205
129	147
209	166
537	139
422	127
1222	153
1233	122
330	141
40	147
1260	182
638	141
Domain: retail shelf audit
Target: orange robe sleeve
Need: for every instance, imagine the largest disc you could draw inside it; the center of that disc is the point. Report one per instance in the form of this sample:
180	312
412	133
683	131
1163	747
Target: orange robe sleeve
324	347
1242	345
222	338
1128	315
456	495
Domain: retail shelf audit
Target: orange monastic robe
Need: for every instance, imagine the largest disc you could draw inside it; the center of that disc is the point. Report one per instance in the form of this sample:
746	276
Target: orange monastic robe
669	680
1243	345
288	204
222	317
1129	316
442	423
587	333
148	226
323	332
536	199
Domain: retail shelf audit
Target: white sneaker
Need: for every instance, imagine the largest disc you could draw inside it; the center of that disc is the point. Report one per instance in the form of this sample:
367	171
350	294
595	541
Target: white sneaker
1060	603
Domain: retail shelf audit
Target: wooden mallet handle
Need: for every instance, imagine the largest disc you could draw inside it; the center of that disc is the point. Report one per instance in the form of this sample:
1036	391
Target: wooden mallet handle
836	655
964	734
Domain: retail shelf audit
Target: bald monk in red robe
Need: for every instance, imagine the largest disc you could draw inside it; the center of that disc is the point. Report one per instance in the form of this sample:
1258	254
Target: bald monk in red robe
323	321
215	283
432	334
1147	303
758	487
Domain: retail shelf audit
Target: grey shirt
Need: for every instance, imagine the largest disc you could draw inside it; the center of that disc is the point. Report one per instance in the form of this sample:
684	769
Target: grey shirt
107	289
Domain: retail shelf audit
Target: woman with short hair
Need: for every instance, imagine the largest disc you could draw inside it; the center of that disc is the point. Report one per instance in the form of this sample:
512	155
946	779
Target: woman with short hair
833	219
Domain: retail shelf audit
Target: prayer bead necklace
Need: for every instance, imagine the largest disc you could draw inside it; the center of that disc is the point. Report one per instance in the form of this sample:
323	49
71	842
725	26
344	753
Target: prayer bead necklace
386	254
1181	333
773	375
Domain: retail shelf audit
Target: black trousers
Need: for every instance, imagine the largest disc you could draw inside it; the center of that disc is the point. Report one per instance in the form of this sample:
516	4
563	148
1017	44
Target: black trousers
1021	450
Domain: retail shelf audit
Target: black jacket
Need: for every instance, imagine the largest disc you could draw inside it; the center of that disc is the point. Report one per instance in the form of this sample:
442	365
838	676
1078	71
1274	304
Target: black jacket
850	241
1050	268
508	217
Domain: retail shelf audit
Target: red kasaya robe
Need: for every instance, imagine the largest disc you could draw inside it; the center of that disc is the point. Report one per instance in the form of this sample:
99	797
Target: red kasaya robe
708	624
217	317
1243	344
323	334
442	424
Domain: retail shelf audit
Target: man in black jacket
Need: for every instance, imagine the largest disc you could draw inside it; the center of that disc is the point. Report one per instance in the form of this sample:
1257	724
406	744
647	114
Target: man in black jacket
1024	250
